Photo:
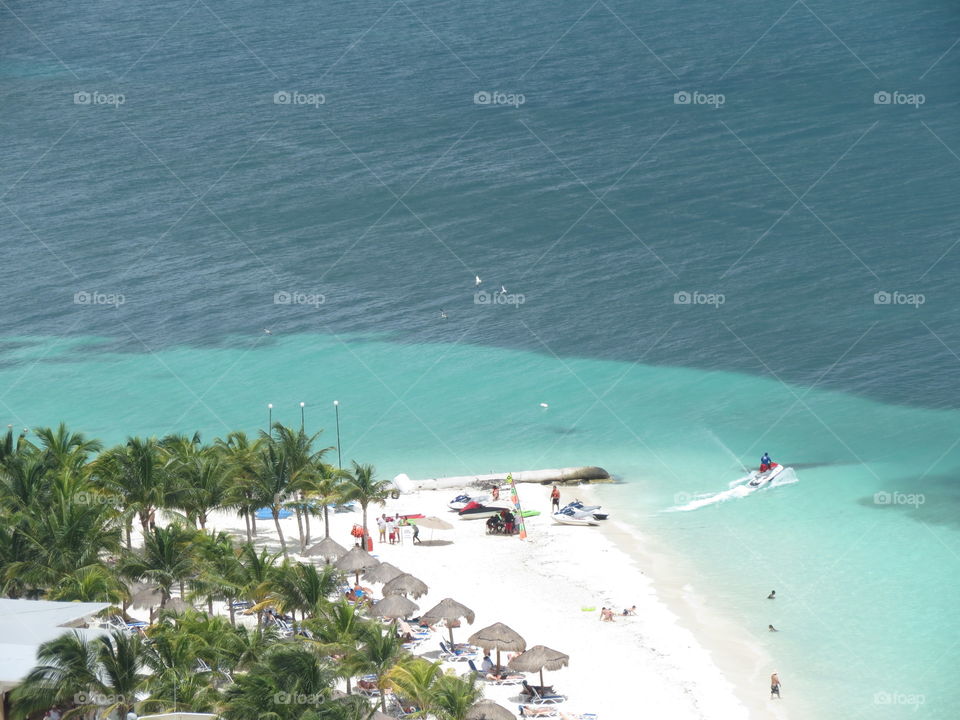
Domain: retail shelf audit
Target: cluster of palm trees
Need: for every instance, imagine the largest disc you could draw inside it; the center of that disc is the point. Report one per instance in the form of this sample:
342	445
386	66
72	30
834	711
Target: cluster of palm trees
80	522
201	663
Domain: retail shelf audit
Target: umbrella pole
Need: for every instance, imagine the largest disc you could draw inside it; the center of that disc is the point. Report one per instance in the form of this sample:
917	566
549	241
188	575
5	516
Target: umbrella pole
498	659
541	677
450	629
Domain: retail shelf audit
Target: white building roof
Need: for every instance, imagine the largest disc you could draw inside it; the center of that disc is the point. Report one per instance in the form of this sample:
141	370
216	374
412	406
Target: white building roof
26	624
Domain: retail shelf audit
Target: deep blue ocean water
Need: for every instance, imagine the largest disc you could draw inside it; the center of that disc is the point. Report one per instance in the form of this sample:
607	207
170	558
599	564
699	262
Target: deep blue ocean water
812	226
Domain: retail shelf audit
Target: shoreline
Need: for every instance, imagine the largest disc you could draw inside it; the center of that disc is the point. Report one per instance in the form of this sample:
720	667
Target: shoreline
675	656
744	664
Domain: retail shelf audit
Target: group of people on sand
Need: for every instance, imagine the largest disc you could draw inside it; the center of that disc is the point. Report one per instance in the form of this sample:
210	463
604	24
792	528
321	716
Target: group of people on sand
389	527
606	614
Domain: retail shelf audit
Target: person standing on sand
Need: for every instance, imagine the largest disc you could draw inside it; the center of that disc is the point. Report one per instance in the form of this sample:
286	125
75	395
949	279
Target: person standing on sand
555	499
775	685
382	527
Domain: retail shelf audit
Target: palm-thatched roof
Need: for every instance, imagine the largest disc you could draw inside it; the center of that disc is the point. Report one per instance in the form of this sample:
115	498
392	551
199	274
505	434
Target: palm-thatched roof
406	584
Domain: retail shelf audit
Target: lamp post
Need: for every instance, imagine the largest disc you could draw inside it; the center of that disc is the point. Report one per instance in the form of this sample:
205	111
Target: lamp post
269	418
336	409
301	416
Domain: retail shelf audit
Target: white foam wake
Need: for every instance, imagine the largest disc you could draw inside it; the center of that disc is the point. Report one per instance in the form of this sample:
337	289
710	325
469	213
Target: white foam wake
738	489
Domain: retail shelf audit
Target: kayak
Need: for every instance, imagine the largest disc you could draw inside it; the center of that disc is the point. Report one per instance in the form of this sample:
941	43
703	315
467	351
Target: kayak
530	513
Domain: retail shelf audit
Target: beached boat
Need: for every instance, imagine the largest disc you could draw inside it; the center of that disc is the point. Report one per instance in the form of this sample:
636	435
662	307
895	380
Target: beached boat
569	518
476	511
463	499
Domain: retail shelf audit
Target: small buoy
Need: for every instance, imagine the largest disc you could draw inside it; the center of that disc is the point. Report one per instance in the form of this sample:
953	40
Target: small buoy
544	405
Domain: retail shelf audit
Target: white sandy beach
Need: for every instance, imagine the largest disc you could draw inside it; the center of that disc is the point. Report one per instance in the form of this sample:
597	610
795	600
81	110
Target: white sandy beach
656	664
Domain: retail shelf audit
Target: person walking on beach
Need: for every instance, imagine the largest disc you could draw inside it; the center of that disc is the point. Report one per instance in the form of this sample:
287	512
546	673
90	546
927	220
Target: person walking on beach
382	527
775	685
555	499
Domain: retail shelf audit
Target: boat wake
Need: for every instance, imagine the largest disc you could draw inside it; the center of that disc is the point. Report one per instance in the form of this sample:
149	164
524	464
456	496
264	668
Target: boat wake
738	489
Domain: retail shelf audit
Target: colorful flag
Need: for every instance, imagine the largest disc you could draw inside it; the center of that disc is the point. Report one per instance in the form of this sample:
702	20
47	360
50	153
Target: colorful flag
515	499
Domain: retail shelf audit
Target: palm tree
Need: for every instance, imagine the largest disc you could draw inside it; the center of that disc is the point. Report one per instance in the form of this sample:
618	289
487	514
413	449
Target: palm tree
362	486
83	674
201	484
304	588
240	456
65	449
325	486
178	677
274	484
218	574
452	697
336	631
136	474
255	577
66	539
291	682
164	560
378	653
415	679
93	583
303	463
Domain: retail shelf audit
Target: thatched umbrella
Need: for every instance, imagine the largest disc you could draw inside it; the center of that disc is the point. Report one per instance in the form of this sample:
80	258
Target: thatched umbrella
356	560
448	610
144	596
177	605
537	658
488	710
393	607
328	548
405	584
498	637
382	573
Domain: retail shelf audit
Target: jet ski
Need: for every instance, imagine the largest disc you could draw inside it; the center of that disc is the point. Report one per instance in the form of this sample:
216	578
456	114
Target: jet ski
578	509
475	511
569	516
461	500
758	478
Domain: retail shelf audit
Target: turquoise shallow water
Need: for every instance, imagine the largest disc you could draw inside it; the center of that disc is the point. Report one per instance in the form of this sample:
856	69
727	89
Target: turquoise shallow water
200	200
866	589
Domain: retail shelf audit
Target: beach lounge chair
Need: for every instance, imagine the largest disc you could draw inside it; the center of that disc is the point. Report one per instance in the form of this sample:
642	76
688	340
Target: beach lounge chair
542	696
456	655
531	711
508	679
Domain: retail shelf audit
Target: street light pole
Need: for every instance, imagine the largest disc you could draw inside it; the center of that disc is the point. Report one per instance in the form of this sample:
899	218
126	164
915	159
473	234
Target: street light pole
270	418
336	409
301	416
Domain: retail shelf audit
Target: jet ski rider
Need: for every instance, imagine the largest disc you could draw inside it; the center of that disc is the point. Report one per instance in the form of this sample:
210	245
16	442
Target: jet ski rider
765	462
